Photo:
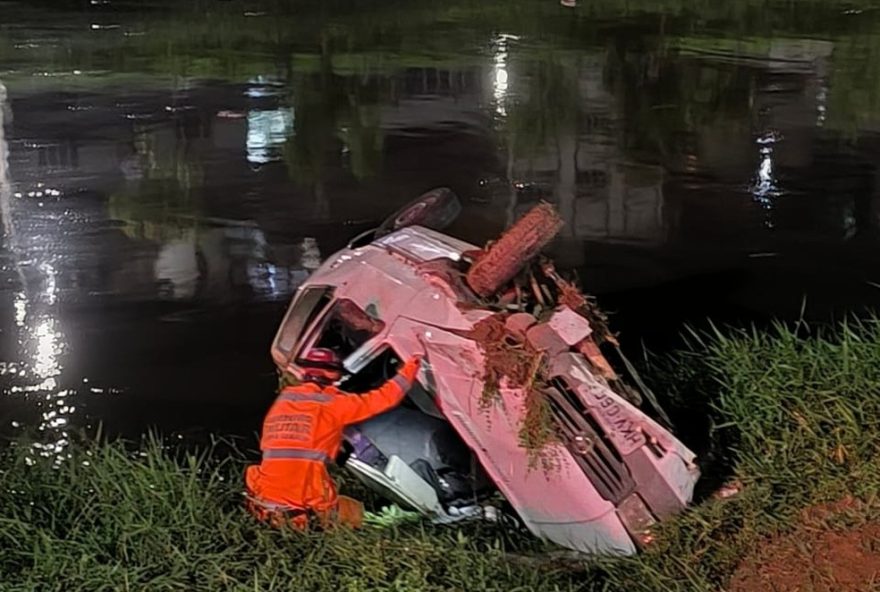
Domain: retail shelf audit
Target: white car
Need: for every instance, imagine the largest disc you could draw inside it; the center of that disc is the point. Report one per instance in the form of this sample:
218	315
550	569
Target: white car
398	292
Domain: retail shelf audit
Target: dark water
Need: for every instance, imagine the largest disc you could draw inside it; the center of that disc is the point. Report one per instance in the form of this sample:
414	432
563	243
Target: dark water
175	172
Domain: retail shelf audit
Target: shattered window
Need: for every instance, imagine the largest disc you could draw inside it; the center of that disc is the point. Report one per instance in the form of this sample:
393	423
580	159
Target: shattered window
347	328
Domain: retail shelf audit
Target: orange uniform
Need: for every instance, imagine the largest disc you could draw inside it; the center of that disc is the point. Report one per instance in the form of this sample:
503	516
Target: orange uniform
303	431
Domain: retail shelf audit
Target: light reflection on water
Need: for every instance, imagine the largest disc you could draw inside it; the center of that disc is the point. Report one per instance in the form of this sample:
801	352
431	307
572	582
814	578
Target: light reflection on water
41	340
195	257
267	132
501	75
765	189
42	344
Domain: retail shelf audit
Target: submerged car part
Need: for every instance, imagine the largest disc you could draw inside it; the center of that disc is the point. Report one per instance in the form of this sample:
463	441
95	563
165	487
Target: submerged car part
616	471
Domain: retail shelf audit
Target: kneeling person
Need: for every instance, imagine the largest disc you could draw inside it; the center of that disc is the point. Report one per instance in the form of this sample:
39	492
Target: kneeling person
302	432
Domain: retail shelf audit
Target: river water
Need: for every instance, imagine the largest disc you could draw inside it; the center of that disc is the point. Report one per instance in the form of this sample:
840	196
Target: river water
169	174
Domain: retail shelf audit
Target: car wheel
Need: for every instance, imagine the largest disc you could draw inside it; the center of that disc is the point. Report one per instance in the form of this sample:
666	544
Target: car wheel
435	209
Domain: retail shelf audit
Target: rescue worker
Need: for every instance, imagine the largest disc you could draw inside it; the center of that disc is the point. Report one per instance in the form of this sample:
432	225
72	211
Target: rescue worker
302	432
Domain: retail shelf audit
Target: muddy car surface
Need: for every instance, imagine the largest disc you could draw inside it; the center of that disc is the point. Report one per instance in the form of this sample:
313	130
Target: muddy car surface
615	471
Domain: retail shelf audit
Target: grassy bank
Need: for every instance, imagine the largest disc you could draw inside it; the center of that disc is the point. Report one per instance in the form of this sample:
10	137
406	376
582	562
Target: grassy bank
795	419
111	520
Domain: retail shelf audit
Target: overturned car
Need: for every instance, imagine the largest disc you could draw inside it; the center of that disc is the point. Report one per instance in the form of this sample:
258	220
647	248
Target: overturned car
515	372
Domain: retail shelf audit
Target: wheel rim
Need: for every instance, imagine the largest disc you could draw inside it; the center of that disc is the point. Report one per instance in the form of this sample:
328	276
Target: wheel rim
408	216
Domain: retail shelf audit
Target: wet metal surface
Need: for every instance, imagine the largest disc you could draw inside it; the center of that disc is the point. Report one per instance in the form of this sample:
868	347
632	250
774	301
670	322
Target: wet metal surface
169	175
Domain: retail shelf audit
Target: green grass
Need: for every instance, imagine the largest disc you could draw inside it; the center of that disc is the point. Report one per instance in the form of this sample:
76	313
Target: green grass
795	416
110	519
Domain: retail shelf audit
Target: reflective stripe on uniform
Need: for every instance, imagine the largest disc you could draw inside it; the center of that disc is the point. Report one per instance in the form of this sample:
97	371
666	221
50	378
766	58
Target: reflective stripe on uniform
402	382
296	453
313	397
273	507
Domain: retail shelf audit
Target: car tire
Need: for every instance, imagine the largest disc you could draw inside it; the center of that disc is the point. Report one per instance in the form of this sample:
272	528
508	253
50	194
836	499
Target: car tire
435	209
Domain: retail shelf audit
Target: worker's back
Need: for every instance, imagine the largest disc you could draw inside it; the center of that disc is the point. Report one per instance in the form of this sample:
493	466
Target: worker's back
300	435
302	432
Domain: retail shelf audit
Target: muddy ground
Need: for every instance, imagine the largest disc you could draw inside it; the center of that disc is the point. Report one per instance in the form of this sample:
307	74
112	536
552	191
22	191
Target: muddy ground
833	548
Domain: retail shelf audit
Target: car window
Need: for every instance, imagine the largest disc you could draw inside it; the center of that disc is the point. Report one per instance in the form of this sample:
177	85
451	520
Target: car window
345	328
310	303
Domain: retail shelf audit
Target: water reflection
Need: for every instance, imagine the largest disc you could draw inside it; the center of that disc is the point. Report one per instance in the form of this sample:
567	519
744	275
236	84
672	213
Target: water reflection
207	263
267	132
200	256
821	104
501	75
207	165
41	341
764	187
5	187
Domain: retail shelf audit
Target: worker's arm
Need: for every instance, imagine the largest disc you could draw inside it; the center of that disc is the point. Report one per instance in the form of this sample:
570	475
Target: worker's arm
355	408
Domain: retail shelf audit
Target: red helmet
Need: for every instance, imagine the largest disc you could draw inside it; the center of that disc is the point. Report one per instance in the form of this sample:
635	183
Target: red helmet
321	358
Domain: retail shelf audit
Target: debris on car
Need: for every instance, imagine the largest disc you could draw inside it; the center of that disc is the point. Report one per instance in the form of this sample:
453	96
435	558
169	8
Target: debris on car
518	395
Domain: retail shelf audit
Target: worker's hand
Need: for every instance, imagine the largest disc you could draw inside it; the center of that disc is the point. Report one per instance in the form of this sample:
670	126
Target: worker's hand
411	368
